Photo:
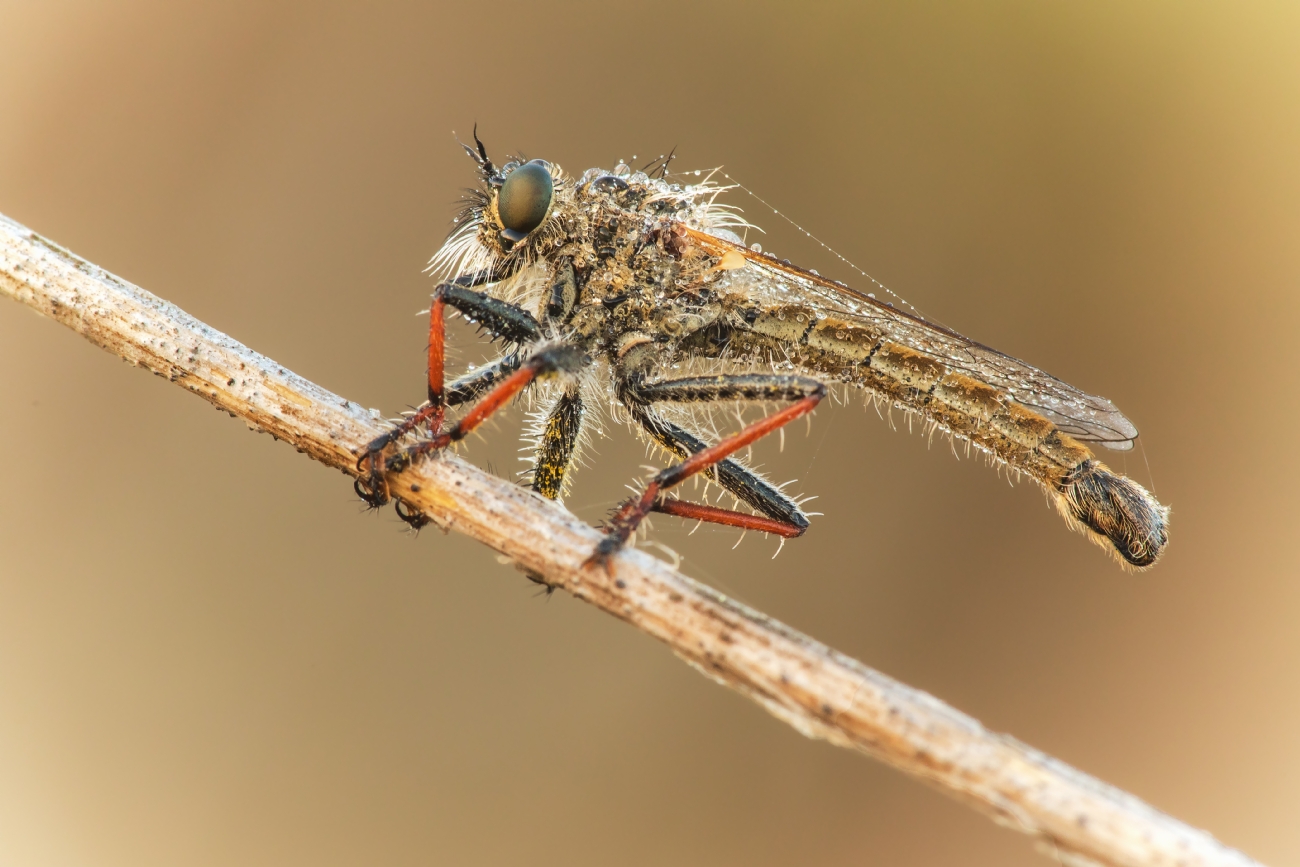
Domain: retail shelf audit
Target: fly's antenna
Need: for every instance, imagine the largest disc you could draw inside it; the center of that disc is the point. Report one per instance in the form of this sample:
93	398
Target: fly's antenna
827	247
478	154
488	168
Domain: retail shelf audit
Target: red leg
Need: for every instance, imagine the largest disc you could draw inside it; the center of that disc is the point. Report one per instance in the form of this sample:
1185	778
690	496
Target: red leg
630	515
503	320
437	349
374	490
559	358
491	402
726	517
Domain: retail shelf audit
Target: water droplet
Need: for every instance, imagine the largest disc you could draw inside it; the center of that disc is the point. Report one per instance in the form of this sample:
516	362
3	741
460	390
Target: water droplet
757	248
697	173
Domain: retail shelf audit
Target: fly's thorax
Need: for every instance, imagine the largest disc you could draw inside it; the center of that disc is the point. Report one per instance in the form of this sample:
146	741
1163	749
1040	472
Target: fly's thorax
613	215
641	222
622	263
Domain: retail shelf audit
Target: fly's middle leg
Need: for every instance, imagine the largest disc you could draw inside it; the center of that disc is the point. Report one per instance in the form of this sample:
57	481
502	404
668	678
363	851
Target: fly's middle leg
557	445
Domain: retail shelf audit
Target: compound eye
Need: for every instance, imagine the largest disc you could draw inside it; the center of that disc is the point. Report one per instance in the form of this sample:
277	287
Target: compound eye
524	199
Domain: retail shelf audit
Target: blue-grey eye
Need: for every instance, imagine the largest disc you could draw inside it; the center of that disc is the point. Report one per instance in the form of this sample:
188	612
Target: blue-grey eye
524	199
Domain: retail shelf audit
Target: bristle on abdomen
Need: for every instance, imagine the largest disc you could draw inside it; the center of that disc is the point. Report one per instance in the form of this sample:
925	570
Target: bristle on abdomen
1115	511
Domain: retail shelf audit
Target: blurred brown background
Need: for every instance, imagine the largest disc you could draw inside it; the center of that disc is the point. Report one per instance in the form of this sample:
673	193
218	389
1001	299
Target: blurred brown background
210	655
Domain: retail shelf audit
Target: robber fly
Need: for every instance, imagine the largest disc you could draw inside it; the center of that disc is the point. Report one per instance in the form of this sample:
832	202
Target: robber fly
606	284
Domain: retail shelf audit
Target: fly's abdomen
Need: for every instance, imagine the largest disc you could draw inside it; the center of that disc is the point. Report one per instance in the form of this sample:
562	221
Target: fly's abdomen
1111	509
1117	508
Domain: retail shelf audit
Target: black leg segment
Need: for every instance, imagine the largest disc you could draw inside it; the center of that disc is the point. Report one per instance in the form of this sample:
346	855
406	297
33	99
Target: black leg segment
737	480
474	385
731	475
805	393
501	319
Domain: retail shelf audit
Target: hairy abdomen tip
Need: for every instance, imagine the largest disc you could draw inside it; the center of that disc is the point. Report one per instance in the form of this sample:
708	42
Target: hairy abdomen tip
1117	512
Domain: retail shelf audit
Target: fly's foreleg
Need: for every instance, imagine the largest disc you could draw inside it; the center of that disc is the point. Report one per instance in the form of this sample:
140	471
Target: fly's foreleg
546	361
465	389
806	394
501	319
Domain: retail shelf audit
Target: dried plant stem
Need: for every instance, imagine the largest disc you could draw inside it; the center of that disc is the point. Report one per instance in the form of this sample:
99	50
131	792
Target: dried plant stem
819	692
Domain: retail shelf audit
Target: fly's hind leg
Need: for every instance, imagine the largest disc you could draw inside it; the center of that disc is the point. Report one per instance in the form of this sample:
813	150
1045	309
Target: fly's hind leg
784	516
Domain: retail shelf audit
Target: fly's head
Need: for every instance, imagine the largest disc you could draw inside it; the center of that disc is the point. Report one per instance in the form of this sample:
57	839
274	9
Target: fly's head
521	218
518	215
621	229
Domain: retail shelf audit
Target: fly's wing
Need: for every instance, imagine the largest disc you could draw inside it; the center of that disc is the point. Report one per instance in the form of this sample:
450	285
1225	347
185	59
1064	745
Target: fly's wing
771	281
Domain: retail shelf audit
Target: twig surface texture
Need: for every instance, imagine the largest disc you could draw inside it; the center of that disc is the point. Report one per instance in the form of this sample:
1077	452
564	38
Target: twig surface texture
819	692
